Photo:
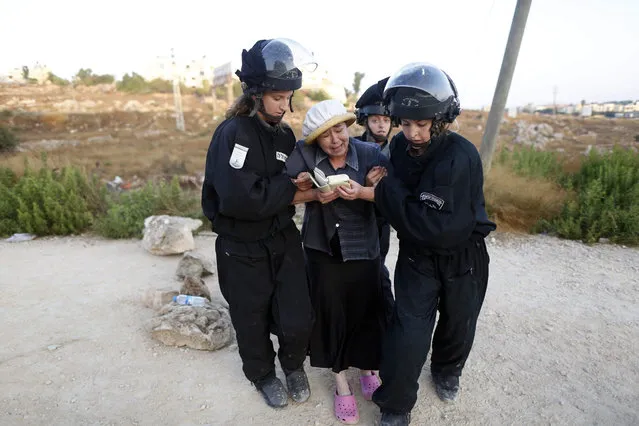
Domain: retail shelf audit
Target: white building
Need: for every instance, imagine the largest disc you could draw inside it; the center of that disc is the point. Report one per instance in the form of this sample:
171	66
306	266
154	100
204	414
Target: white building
37	71
192	73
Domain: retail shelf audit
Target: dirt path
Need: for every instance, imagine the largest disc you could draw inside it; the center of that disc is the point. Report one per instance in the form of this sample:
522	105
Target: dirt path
557	342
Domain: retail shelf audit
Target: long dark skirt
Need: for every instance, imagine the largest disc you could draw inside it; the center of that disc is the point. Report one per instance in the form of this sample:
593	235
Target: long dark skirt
349	312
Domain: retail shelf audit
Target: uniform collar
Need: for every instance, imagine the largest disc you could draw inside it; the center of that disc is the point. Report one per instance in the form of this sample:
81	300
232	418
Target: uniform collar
268	127
351	156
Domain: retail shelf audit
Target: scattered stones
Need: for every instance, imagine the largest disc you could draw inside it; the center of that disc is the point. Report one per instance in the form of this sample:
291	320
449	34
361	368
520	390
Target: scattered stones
535	135
156	299
166	235
197	327
194	265
195	286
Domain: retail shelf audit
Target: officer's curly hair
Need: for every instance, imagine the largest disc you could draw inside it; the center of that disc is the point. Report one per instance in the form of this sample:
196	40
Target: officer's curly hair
241	107
440	128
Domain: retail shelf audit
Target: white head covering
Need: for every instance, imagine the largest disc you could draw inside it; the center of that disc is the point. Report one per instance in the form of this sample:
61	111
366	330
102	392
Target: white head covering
322	116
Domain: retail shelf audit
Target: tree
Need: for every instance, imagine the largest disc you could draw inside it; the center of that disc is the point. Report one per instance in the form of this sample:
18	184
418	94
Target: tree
58	81
85	76
133	83
357	81
348	93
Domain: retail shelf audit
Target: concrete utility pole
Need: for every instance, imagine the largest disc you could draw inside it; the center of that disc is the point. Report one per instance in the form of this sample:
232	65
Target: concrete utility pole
177	97
517	27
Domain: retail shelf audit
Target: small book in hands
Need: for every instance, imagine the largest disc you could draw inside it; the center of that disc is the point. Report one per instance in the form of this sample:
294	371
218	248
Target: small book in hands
330	183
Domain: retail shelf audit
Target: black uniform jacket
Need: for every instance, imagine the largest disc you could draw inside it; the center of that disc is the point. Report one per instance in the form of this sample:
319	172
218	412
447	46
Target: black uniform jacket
246	195
435	201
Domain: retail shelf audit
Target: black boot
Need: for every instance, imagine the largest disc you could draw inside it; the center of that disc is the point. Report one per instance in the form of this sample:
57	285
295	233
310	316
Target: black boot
297	384
273	391
446	387
395	419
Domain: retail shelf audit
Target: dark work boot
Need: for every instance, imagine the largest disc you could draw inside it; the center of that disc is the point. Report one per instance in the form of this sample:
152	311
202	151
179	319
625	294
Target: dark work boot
446	387
298	387
273	391
395	419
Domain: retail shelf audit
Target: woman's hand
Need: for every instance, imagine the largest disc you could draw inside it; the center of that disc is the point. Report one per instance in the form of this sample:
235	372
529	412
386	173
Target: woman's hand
351	193
357	191
325	197
303	181
375	175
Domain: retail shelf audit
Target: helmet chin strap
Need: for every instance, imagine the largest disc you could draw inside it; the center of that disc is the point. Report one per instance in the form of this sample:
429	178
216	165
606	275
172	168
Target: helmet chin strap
417	150
378	139
258	105
271	119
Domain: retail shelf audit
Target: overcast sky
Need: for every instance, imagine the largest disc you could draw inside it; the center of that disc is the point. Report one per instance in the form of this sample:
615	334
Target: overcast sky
588	49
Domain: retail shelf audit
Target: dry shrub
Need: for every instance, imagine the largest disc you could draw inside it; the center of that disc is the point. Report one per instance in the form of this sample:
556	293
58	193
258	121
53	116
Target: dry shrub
516	203
54	121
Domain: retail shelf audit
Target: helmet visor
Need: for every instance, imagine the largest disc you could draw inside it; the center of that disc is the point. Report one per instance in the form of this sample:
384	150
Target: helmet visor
421	76
287	59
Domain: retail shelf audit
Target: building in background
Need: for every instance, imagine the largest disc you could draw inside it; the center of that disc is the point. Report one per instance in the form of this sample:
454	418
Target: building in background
194	73
38	72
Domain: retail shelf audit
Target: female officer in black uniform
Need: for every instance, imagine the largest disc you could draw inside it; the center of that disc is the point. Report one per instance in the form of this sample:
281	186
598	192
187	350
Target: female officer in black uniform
434	198
249	201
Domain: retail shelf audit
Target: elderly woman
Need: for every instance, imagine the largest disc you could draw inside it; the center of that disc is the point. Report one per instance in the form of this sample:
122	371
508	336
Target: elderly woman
342	250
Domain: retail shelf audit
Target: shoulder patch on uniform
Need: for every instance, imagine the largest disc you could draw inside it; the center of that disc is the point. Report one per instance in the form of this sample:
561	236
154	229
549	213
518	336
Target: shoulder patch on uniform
238	156
432	200
281	156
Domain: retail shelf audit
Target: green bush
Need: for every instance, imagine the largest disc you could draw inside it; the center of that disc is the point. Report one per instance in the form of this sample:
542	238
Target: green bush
8	141
158	85
87	78
133	83
58	81
532	163
318	95
66	202
606	203
127	211
46	202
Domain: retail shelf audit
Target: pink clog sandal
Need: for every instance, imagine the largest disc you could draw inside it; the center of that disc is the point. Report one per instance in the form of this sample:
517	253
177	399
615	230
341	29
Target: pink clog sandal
346	409
369	385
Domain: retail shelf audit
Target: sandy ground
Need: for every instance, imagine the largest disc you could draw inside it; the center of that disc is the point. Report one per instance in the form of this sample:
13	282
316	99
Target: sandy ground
557	343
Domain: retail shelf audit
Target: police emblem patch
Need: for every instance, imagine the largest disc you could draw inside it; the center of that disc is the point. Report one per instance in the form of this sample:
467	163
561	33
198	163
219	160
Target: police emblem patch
238	156
431	200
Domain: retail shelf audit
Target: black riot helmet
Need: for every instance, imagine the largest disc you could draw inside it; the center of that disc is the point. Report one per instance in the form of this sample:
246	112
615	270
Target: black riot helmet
421	91
371	102
274	64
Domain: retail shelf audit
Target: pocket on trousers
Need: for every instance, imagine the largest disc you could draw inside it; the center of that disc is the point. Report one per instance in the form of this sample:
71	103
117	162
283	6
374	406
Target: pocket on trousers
248	253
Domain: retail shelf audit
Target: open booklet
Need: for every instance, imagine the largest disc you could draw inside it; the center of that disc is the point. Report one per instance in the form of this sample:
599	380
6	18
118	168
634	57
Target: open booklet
329	183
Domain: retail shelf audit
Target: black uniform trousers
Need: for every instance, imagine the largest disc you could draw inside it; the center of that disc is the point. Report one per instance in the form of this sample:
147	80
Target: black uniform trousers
266	287
384	244
424	283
